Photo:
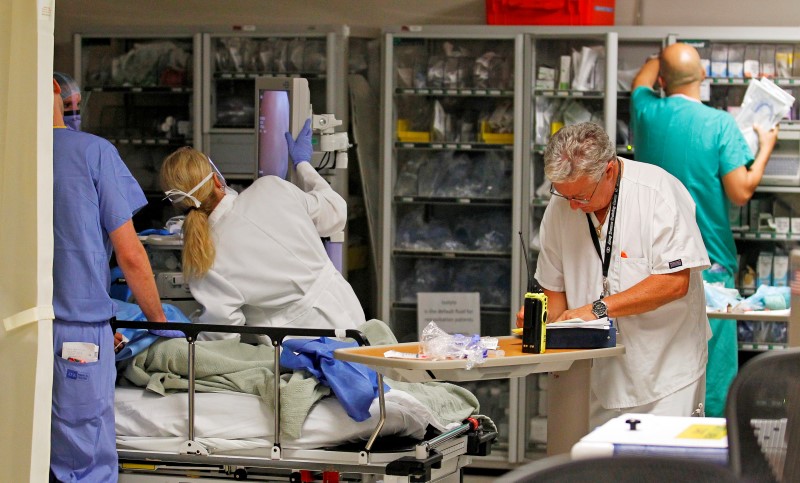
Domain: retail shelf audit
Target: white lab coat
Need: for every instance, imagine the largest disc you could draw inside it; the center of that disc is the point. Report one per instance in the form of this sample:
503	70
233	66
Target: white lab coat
665	349
271	268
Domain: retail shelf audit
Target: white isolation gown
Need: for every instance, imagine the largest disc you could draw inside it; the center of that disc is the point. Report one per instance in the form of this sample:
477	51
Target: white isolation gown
271	268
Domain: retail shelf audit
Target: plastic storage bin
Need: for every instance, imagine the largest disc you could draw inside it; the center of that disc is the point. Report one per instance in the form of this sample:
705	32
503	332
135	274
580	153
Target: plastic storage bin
550	12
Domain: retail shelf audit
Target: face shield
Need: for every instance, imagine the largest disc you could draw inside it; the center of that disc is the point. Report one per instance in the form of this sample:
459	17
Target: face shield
71	96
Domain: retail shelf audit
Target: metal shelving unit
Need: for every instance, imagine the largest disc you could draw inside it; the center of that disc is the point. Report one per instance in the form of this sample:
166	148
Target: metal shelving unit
141	91
451	119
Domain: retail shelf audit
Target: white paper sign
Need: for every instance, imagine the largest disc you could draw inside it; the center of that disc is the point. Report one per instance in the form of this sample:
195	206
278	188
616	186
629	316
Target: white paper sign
453	312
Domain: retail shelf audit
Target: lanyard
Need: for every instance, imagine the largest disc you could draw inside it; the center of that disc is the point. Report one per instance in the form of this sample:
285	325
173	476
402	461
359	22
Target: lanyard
612	217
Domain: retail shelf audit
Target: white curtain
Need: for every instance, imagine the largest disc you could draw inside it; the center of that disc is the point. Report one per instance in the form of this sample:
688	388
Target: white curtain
26	237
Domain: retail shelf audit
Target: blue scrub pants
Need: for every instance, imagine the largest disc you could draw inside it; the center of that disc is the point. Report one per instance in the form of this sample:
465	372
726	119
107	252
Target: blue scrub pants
82	433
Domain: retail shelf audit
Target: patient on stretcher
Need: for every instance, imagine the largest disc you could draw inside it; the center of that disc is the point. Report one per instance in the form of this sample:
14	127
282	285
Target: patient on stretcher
324	402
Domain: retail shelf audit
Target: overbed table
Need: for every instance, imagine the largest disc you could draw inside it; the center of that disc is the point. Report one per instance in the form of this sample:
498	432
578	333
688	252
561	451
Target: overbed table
567	394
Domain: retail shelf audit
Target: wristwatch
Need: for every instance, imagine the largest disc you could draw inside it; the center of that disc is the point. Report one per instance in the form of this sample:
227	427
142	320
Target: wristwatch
599	309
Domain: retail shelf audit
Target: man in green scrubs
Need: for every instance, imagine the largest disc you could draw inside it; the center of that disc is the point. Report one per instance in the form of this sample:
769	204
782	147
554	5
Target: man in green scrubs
702	147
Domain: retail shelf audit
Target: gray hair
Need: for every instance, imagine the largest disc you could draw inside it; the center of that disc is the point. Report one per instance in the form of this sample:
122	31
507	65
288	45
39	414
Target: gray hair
576	151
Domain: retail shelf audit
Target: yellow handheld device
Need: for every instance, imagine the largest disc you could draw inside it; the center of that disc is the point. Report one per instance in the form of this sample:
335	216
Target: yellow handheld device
534	323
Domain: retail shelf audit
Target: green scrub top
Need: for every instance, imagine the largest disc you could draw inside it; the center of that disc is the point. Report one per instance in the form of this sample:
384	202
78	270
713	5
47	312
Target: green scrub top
698	145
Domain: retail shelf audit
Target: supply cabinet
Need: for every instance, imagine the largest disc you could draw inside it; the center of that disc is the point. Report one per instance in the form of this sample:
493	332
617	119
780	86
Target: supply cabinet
451	124
324	55
142	93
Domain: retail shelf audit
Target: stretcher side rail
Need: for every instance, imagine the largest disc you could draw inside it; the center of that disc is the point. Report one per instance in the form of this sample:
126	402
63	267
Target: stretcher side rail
276	336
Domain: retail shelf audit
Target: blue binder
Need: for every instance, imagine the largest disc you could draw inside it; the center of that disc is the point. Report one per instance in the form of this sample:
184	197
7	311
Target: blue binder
581	338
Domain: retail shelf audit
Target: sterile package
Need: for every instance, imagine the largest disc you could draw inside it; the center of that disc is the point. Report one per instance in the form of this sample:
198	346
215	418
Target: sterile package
736	60
767	58
780	270
564	72
719	60
764	267
784	55
546	78
796	62
764	104
582	81
751	64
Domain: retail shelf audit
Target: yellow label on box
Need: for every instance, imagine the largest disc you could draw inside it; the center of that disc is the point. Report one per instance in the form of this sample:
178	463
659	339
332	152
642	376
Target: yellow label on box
703	431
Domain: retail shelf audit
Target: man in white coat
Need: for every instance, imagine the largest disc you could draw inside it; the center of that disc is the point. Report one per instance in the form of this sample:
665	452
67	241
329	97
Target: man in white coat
619	240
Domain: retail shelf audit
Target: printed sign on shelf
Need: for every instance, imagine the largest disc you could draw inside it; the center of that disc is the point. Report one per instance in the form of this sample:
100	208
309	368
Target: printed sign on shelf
453	312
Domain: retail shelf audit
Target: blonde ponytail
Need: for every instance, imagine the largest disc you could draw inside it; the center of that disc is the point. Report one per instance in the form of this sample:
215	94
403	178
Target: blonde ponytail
182	170
198	247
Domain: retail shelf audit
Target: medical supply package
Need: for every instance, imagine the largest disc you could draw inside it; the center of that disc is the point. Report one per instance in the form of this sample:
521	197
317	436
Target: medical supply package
764	104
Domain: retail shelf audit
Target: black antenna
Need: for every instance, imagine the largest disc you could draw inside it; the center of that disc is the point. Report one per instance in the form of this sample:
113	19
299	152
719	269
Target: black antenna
527	265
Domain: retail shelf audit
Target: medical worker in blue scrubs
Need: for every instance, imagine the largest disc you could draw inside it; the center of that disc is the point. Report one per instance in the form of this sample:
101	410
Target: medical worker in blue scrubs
94	198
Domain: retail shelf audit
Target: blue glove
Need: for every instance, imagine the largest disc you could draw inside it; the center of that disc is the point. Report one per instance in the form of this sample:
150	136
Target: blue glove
300	149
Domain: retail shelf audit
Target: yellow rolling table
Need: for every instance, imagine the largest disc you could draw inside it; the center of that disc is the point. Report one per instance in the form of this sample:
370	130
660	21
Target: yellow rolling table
568	389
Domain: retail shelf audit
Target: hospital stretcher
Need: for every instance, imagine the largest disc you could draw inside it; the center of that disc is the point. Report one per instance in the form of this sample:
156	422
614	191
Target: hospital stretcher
439	457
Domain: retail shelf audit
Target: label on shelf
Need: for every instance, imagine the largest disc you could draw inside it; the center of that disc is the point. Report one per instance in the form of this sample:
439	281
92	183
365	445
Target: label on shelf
451	146
437	145
451	92
480	92
437	91
464	200
466	146
495	92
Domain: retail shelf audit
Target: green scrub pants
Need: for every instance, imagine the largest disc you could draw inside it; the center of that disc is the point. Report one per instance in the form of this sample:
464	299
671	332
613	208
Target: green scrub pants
723	358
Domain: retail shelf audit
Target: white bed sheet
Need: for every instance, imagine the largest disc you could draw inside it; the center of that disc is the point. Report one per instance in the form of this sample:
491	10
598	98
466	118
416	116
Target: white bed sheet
228	421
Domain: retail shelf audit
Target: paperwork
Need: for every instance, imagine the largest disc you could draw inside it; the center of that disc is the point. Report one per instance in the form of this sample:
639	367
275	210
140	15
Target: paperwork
580	324
573	324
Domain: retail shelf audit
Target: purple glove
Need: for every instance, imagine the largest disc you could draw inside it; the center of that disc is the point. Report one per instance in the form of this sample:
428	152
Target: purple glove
300	149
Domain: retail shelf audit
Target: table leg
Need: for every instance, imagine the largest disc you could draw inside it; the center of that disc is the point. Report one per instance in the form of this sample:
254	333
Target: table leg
568	407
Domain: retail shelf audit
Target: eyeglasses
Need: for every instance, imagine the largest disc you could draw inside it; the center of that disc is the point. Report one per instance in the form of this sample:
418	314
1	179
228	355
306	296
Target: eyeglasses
580	201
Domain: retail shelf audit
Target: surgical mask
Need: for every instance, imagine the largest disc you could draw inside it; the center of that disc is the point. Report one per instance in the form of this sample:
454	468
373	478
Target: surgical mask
176	195
72	119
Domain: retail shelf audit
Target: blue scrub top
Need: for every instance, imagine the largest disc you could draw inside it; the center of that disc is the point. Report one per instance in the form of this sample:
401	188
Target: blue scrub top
698	145
94	193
